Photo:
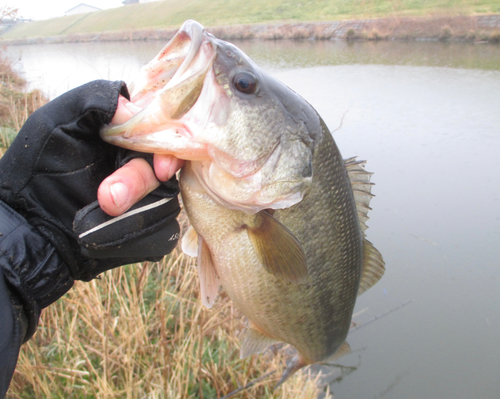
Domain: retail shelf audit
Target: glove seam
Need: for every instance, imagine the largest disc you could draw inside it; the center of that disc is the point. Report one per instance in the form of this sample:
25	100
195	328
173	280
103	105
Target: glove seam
43	146
145	232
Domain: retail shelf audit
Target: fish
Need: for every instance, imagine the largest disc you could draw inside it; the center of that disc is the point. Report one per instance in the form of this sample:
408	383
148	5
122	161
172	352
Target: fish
277	216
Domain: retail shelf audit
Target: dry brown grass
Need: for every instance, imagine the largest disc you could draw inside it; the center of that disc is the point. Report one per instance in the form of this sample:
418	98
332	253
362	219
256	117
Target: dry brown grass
16	104
141	332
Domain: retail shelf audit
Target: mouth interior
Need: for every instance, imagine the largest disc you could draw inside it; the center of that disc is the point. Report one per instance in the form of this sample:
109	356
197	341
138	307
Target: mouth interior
174	78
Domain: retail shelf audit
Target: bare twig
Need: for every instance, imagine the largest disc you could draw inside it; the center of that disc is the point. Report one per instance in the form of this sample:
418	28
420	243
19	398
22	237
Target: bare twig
382	315
250	384
341	121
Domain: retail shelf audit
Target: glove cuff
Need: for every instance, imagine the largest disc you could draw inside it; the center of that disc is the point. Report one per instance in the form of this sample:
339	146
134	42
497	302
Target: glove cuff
131	234
31	266
147	231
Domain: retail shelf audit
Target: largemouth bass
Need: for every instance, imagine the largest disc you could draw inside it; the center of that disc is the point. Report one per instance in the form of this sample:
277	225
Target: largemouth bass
277	216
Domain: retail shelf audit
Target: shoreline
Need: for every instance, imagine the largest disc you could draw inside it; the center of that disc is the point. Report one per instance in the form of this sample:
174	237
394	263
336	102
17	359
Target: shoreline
475	29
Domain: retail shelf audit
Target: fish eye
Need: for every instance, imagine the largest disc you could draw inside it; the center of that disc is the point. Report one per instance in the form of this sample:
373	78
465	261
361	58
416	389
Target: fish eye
245	82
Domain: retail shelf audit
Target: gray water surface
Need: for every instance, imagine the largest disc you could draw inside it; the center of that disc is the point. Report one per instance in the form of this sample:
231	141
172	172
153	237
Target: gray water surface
426	116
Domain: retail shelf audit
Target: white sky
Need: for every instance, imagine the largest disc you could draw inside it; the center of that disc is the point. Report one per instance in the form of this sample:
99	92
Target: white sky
43	9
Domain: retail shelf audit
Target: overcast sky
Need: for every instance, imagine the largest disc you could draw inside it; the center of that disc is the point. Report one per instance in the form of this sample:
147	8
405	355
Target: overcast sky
43	9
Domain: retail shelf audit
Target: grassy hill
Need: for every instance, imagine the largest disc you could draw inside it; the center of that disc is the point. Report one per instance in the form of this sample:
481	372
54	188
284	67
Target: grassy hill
171	13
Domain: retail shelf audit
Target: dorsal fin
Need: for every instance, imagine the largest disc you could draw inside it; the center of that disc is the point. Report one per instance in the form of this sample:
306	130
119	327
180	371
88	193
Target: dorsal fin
361	188
373	265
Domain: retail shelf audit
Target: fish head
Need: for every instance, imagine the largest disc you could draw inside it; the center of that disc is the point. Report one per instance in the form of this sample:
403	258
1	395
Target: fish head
250	138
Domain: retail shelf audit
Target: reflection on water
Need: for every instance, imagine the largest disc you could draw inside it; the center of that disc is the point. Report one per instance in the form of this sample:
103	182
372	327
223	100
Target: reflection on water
292	54
58	67
426	116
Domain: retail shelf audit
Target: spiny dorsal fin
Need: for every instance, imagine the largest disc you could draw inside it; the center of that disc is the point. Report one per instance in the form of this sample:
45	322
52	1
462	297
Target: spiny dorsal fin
277	248
373	264
254	342
189	243
209	281
361	188
373	267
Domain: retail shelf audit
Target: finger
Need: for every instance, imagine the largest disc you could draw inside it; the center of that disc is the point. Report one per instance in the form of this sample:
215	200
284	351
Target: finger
124	111
166	166
126	186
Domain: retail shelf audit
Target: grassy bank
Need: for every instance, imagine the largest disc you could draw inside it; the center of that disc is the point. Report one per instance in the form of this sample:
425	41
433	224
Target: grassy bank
141	331
171	13
16	104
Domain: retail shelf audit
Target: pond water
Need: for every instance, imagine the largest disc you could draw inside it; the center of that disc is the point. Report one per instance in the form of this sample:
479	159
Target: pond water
426	116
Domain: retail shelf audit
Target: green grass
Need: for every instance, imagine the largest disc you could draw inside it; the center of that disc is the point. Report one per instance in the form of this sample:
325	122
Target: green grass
171	13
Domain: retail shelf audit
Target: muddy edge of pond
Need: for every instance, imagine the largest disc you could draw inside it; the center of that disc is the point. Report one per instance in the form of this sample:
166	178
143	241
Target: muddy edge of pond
479	28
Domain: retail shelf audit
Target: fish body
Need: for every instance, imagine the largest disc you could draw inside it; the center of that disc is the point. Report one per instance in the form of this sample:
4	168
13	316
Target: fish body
277	215
313	316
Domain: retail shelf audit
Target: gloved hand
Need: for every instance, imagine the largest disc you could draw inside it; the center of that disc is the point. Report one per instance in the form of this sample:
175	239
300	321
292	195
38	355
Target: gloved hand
51	173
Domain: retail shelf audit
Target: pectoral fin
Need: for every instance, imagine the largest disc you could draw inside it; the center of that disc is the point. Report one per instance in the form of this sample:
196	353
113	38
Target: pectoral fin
189	243
209	281
277	248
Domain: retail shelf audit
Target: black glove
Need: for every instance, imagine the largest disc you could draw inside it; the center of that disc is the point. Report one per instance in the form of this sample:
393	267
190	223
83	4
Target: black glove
52	171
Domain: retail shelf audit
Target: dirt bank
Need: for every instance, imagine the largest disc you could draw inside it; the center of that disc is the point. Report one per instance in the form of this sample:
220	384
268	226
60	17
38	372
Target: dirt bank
481	28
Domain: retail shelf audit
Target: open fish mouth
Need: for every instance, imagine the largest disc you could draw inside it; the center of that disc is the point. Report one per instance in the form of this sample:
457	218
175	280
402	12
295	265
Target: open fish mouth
166	89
